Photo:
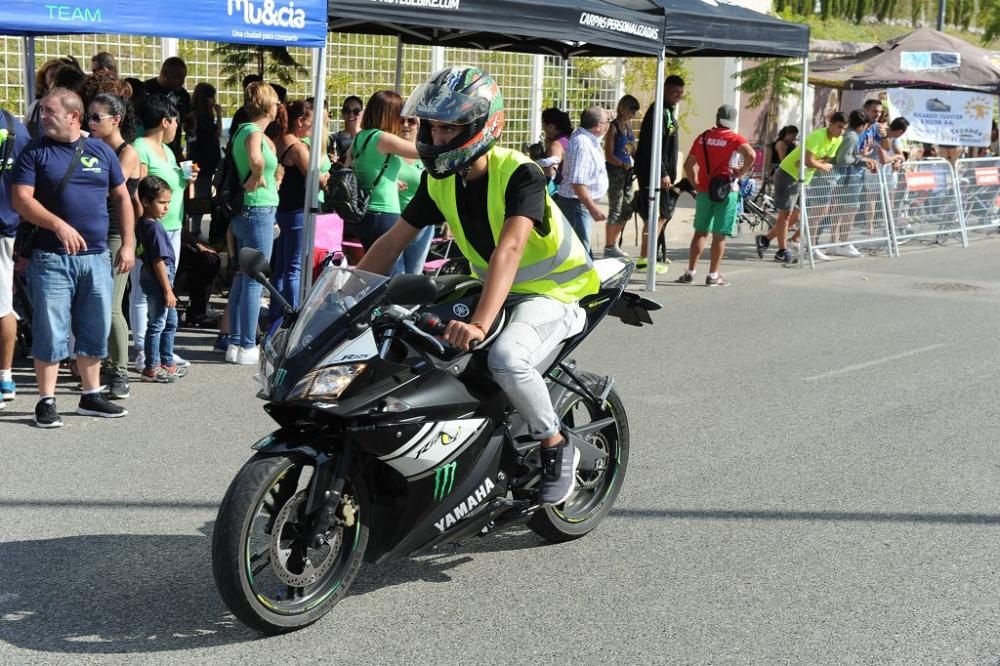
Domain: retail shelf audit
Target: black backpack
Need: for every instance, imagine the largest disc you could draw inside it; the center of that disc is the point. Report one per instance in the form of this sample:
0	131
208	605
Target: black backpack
227	201
344	195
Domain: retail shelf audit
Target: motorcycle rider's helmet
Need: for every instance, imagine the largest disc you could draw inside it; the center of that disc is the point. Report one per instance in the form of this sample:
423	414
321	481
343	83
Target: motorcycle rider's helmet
465	96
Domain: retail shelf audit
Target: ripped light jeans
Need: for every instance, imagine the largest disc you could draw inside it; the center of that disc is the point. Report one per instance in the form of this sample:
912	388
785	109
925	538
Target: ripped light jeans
536	328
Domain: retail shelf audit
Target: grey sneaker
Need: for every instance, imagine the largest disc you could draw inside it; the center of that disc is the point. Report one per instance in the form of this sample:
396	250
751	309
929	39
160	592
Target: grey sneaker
118	388
718	281
614	252
687	278
559	465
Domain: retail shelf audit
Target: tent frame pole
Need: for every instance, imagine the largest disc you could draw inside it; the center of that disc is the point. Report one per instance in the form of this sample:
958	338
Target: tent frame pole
656	155
312	180
564	98
29	71
399	64
805	246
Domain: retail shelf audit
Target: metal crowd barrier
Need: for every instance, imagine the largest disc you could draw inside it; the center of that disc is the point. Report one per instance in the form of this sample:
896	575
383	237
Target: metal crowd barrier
979	193
847	211
923	200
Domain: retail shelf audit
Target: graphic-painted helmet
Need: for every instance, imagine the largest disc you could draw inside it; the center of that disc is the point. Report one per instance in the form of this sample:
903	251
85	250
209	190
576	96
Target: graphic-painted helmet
465	96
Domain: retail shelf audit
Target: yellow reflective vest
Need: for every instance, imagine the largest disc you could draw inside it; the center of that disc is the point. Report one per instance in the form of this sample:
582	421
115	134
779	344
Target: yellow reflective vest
555	264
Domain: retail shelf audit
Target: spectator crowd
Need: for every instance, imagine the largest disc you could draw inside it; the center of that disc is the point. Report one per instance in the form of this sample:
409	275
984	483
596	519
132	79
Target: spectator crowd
105	184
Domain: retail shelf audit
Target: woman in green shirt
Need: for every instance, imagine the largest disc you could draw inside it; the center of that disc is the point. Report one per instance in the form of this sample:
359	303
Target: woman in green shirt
160	119
377	149
256	166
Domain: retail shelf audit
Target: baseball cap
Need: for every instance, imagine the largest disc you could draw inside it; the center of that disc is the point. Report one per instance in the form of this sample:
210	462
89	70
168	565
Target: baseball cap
726	116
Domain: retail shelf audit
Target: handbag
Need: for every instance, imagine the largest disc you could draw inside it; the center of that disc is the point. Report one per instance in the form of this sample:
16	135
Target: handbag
27	232
344	194
719	187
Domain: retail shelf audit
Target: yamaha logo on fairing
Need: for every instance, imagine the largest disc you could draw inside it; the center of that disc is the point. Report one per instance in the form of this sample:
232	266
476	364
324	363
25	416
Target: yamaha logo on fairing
461	310
284	17
463	509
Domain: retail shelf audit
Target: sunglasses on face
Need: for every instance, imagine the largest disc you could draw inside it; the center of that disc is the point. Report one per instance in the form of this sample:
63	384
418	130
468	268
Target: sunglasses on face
409	121
351	111
96	118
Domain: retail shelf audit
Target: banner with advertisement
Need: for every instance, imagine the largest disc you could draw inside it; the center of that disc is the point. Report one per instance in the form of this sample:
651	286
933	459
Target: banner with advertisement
270	22
944	117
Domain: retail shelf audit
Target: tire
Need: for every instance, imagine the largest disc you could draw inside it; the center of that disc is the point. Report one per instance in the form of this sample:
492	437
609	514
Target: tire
596	491
268	492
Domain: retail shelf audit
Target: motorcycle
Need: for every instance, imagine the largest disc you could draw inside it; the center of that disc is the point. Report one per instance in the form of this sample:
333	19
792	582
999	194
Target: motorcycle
391	443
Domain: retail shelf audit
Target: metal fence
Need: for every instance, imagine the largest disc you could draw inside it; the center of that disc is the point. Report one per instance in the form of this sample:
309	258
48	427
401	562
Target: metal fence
356	65
979	192
923	197
847	211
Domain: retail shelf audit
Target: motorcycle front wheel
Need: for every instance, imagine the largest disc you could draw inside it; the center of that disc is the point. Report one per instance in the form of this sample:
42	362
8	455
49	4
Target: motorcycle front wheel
268	573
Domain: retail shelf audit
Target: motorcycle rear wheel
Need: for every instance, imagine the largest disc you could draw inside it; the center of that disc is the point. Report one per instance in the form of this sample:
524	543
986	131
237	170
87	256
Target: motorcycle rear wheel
596	491
267	576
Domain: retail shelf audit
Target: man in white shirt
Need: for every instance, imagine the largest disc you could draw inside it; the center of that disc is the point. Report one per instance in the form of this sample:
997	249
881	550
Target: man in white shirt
585	178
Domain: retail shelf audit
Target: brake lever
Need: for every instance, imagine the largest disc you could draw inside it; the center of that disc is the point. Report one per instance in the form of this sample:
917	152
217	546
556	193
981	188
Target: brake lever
427	336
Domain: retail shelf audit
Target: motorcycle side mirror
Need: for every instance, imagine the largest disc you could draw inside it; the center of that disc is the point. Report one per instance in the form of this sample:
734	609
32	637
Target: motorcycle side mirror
254	264
407	289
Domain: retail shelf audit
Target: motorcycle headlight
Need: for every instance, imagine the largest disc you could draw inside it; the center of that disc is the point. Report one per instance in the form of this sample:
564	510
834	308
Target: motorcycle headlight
326	384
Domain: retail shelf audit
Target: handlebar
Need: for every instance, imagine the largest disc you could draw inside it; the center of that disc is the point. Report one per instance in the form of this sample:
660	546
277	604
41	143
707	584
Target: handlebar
427	325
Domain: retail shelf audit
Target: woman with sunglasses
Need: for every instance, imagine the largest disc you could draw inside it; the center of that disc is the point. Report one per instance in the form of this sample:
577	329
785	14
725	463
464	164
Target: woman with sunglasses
296	121
351	113
378	149
408	180
111	121
160	119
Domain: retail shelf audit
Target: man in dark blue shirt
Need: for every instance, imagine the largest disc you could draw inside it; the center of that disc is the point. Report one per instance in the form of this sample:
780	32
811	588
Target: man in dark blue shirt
62	183
13	138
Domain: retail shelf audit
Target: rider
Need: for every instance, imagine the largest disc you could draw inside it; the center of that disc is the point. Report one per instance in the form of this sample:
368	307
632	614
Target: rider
495	203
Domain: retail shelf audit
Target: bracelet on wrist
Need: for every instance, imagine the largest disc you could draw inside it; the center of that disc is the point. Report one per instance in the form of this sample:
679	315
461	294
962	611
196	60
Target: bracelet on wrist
479	325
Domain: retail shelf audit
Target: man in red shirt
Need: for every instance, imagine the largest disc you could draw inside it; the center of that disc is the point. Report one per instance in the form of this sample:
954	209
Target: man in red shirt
722	157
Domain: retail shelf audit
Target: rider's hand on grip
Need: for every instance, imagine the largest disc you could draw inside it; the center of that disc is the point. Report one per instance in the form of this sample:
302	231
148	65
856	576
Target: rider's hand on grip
462	335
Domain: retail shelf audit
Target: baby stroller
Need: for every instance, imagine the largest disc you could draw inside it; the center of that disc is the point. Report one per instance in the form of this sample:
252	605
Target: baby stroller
444	257
757	209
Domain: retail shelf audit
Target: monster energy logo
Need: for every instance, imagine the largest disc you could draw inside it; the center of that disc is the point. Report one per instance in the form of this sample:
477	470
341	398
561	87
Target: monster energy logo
444	481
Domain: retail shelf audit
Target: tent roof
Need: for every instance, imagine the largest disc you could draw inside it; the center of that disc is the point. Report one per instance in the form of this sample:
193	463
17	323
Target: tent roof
554	27
715	28
881	66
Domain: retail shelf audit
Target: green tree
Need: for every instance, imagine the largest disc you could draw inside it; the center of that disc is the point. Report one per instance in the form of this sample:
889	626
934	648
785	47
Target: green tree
767	84
989	20
274	63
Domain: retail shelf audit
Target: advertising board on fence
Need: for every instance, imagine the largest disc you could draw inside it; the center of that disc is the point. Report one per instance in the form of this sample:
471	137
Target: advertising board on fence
944	117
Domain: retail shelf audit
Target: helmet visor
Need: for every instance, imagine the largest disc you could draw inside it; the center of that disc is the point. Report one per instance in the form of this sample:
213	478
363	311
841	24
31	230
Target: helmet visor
434	102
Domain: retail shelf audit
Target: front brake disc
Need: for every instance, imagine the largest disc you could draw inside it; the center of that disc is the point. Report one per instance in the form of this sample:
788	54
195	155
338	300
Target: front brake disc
282	548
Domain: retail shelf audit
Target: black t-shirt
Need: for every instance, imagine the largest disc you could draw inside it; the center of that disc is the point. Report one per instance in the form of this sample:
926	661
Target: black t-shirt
525	197
181	99
669	150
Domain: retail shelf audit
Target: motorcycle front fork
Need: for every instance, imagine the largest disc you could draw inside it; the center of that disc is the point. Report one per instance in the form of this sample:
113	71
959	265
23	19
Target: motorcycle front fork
326	490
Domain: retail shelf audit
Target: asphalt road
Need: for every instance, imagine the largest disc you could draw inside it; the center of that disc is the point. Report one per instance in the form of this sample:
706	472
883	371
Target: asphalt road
814	479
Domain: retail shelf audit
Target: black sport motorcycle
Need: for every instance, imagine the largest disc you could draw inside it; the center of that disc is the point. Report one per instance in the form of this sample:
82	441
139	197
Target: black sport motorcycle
391	443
